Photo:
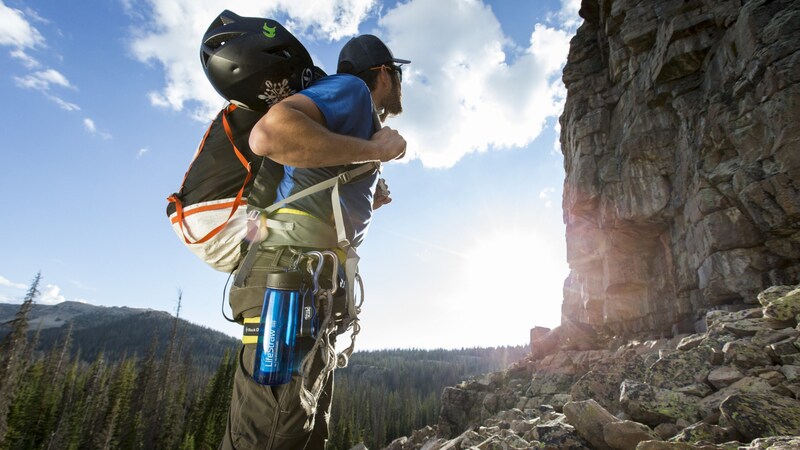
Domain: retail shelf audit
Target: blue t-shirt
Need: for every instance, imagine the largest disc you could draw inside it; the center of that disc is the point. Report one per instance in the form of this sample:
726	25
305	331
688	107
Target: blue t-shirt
346	104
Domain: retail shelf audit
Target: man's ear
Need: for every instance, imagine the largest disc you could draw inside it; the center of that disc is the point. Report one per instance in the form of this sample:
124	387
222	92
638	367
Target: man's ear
384	78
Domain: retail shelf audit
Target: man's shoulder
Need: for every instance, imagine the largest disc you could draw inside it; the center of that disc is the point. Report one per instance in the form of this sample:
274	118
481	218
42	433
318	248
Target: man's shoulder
339	93
341	80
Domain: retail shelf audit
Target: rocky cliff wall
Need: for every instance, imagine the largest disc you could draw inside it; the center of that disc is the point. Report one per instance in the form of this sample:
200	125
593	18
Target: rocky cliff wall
681	141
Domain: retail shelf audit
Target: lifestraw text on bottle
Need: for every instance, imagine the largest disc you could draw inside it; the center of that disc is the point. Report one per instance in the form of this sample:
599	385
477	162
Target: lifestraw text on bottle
269	353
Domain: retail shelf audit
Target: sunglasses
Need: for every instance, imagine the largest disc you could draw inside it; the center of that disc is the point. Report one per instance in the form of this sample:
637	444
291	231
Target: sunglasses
395	69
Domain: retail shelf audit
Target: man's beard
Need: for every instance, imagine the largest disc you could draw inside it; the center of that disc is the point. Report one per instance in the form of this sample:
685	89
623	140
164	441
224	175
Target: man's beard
393	104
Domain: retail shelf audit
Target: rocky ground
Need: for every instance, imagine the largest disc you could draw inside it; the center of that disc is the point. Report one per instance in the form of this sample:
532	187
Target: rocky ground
734	386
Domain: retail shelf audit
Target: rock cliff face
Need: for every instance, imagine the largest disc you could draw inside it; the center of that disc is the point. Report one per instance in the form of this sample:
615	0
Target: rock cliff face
681	141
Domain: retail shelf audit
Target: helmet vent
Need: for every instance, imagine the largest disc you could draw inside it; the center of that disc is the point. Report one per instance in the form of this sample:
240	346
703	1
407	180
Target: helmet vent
221	39
283	52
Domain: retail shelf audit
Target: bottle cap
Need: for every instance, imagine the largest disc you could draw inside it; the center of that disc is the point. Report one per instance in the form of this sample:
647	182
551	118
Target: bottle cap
289	281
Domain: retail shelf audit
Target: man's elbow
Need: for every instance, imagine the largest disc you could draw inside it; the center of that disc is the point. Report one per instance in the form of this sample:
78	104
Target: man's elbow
259	144
265	137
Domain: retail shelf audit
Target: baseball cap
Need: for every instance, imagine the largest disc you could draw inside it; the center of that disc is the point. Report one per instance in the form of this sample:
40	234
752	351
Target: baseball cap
364	52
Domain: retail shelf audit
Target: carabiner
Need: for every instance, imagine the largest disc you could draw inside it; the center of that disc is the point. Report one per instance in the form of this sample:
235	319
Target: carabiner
335	269
315	273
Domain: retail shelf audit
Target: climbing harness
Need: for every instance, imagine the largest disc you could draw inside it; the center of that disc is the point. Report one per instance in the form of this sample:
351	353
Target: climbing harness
320	302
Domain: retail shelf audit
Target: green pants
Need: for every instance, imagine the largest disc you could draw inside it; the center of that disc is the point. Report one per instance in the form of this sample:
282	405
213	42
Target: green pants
271	417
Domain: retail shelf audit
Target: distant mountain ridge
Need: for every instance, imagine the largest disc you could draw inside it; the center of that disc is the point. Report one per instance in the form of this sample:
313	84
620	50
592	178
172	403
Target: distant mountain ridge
118	332
55	316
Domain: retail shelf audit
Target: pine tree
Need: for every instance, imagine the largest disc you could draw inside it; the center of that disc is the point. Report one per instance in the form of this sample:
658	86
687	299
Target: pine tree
12	350
146	399
125	388
23	431
95	402
210	414
171	395
65	409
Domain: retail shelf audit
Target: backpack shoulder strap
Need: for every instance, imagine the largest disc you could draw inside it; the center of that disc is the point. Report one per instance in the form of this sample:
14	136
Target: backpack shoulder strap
334	182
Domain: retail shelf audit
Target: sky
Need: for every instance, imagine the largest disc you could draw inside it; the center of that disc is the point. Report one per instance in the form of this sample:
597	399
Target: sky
106	102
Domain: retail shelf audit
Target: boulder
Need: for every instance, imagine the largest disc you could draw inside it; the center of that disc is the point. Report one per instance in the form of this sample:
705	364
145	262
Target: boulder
772	293
762	415
774	443
690	342
626	434
792	373
745	355
589	418
724	376
602	382
559	435
769	336
784	308
659	445
681	368
652	405
706	433
710	404
460	409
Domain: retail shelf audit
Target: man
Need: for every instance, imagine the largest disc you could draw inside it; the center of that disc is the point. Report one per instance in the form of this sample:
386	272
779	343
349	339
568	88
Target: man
316	134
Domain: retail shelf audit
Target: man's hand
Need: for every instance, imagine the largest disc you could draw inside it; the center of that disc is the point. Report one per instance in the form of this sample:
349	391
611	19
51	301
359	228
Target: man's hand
381	196
392	146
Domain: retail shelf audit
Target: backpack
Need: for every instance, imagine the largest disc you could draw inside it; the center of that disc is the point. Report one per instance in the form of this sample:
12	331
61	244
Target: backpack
208	213
227	185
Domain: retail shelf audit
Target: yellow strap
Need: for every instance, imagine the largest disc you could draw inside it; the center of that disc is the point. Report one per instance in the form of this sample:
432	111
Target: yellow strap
250	333
339	252
296	212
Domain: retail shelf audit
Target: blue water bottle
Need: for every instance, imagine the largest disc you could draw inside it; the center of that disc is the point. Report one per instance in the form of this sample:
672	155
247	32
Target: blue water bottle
278	329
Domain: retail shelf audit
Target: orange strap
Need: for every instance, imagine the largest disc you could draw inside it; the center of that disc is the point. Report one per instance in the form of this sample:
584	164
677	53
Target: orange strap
238	201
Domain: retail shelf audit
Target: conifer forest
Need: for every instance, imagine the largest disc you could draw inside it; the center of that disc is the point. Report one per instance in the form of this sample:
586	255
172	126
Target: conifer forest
54	399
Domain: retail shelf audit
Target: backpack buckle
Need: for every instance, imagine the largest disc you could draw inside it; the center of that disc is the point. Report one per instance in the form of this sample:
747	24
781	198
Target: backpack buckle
345	177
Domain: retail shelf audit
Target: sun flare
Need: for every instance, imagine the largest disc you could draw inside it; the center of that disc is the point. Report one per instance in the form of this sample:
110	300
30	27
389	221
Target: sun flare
512	281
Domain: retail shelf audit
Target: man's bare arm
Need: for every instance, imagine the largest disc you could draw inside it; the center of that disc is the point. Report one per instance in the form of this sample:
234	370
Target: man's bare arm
293	133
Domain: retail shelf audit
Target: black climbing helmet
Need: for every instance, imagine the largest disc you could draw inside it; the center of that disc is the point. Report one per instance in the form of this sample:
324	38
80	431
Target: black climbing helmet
254	62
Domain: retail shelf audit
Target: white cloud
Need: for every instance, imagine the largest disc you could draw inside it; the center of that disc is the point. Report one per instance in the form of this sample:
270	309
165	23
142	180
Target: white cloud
27	60
16	30
42	80
91	127
8	283
468	89
51	295
545	195
63	104
142	152
18	33
168	36
466	96
568	15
